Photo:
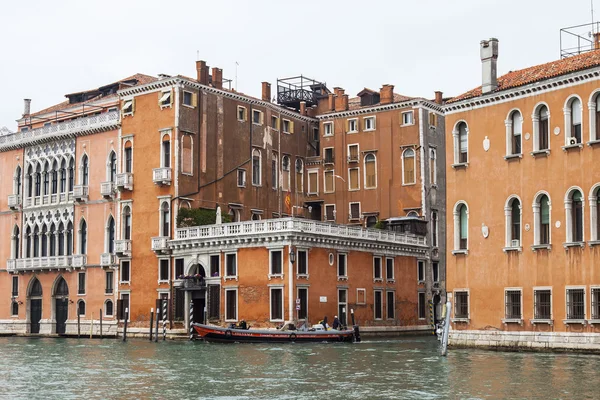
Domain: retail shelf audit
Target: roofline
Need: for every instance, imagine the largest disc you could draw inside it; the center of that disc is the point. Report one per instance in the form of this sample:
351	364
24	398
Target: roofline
232	95
416	102
66	109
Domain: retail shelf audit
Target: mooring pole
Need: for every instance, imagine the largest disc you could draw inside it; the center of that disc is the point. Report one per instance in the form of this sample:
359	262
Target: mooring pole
151	322
100	323
164	319
91	324
78	324
125	324
192	320
445	333
355	327
156	327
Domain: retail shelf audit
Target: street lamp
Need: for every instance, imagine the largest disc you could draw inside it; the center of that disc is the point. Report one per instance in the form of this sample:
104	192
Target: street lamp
292	255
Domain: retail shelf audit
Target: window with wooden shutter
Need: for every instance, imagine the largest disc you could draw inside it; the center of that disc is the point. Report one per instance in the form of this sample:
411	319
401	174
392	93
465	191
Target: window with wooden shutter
299	176
313	185
329	181
353	179
370	171
330	212
186	154
408	166
352	152
354	210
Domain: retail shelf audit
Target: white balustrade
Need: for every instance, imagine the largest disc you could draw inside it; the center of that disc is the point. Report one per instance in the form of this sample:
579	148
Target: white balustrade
123	246
159	243
125	180
161	176
79	260
107	189
80	192
14	201
40	263
107	259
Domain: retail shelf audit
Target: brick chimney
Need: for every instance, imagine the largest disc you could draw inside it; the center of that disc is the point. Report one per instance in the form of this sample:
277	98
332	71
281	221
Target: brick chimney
489	65
26	107
202	72
331	102
217	78
302	108
439	97
596	40
266	91
386	94
341	100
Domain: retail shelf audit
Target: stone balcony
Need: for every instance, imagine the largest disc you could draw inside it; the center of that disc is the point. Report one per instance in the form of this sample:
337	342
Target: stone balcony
14	201
107	259
161	176
125	181
43	263
48	199
123	247
80	192
160	245
107	189
79	260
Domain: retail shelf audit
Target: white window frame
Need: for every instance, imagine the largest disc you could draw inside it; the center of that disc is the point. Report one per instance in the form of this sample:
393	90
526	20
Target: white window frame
127	103
350	216
585	308
85	283
327	125
433	171
352	121
508	243
594	213
337	266
593	288
508	123
357	152
569	119
84	306
163	133
506	320
411	119
298	250
570	235
245	114
375	278
365	170
468	317
309	173
225	274
424	264
375	305
168	273
254	150
325	212
456	214
393	277
164	200
243	172
124	161
540	288
325	172
237	302
535	119
593	121
106	315
271	251
414	157
325	161
361	292
298	289
121	281
457	146
372	119
165	94
287	129
357	188
271	289
537	219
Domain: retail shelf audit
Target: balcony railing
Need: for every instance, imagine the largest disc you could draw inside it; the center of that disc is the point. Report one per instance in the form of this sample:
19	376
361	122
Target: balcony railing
125	181
160	244
107	259
95	123
39	263
14	201
161	176
194	284
79	260
80	192
48	199
107	189
283	225
123	247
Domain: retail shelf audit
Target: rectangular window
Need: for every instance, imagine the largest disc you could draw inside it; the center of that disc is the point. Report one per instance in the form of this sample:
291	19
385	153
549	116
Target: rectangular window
330	212
421	305
230	304
241	178
303	296
127	108
576	303
389	269
434	228
15	286
328	155
407	118
329	184
378	304
276	304
257	117
81	283
390	305
342	306
342	270
354	210
188	99
187	157
377	268
433	166
461	304
124	306
241	113
513	304
214	301
215	264
421	271
432	119
595	303
178	268
274	171
125	271
166	153
328	129
302	262
129	159
287	126
353	181
231	264
353	153
369	123
109	288
352	125
275	123
435	268
165	99
313	182
542	304
276	267
361	296
163	273
256	175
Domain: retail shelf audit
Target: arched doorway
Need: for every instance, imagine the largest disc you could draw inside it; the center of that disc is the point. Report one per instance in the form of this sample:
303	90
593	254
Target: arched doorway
197	292
61	304
35	305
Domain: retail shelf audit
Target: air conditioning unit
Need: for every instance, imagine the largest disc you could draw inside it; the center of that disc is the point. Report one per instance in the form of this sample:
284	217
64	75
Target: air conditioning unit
515	243
572	141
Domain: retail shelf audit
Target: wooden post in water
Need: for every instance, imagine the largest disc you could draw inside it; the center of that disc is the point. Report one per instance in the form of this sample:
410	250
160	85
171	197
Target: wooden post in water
151	322
100	323
156	327
444	347
125	324
78	324
91	324
164	319
192	320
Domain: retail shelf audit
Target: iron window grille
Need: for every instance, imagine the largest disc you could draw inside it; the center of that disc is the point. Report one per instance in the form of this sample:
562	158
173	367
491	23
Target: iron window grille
575	303
595	303
513	304
461	309
543	304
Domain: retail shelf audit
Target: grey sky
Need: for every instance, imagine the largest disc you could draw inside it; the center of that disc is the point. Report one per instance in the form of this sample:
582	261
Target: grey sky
50	48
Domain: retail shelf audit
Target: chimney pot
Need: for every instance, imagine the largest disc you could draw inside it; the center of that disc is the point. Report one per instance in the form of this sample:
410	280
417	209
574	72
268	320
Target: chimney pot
302	108
26	107
217	78
266	91
489	65
202	72
341	102
439	97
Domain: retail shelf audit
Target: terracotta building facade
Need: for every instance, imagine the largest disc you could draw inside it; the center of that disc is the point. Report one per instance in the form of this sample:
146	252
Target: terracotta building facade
523	196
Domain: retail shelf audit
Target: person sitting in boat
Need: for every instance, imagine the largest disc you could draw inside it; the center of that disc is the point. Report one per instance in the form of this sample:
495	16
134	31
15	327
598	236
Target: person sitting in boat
324	323
336	323
242	325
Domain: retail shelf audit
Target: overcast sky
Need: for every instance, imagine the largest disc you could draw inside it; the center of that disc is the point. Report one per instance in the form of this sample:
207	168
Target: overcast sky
51	48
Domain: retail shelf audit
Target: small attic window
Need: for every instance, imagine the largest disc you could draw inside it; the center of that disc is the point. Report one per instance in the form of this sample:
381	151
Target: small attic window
368	98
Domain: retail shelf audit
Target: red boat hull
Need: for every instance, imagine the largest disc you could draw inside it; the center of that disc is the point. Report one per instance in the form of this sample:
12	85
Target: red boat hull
225	335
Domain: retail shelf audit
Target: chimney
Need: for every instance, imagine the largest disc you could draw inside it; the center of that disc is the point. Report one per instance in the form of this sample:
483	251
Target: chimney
489	61
266	91
386	94
337	90
341	100
331	102
26	107
439	96
596	40
302	108
217	78
202	72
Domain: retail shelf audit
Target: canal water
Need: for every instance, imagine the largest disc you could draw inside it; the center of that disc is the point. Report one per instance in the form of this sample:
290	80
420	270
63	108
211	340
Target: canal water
405	368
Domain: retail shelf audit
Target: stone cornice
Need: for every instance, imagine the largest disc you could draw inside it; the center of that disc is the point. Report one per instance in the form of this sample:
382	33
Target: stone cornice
413	103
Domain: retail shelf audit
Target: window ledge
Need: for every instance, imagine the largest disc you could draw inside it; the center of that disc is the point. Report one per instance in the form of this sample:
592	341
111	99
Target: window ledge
574	321
573	244
302	276
230	277
512	321
540	153
377	280
368	130
420	282
391	281
188	105
593	243
593	321
457	252
572	146
280	276
593	142
460	165
352	132
536	247
542	321
342	278
510	157
402	125
509	249
465	320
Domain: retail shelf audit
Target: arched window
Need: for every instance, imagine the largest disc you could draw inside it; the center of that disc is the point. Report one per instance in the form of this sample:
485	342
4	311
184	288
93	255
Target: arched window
256	167
285	167
112	167
541	128
371	221
408	167
574	211
128	158
61	239
234	213
108	308
514	132
71	174
165	218
126	223
595	117
84	170
44	239
17	189
69	238
46	178
573	117
30	177
512	211
541	220
38	180
54	178
166	151
61	288
52	240
35	288
110	235
63	176
81	307
370	171
36	241
461	227
83	237
15	242
28	242
461	143
299	175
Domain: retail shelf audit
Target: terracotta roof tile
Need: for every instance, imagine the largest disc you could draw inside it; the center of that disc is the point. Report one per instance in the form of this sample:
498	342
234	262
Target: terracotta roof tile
354	102
538	73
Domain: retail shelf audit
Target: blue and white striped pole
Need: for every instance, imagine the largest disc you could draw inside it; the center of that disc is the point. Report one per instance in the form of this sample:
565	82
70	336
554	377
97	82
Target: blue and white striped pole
192	320
164	319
